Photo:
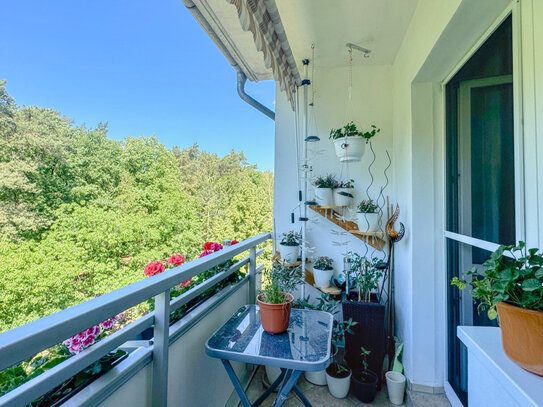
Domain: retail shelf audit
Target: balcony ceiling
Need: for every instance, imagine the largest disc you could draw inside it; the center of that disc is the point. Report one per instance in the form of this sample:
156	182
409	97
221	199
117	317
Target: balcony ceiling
378	25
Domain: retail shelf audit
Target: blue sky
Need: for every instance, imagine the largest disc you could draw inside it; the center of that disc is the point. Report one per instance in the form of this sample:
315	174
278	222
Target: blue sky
145	67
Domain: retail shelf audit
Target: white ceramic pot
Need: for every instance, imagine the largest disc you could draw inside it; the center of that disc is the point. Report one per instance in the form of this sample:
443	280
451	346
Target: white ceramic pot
318	377
325	196
322	277
289	254
338	386
367	222
342	200
350	148
272	373
395	387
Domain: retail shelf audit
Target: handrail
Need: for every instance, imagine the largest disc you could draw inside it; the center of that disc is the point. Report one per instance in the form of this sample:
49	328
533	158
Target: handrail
20	343
25	341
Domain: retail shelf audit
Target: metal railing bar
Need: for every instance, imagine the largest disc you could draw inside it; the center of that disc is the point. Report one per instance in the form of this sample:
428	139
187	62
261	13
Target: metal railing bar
20	343
41	384
259	252
188	321
200	288
112	380
259	268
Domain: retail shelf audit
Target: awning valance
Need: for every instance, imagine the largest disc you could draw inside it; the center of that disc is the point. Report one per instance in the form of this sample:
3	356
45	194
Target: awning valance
261	18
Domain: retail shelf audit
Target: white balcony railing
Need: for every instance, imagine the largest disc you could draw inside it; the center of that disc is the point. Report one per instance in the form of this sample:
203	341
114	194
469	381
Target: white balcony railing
26	341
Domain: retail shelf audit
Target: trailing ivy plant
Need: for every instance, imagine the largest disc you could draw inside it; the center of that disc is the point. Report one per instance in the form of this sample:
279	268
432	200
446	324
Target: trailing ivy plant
350	130
512	274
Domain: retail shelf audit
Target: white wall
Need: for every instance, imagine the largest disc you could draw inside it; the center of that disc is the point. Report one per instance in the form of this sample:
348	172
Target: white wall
406	101
371	104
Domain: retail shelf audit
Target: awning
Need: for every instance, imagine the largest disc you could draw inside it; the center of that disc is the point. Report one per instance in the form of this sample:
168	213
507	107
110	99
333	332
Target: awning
261	18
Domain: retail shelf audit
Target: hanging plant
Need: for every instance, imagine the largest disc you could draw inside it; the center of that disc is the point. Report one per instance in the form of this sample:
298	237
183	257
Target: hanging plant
349	141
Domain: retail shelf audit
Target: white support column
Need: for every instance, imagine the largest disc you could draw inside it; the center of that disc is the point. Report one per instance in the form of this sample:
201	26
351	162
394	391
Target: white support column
160	349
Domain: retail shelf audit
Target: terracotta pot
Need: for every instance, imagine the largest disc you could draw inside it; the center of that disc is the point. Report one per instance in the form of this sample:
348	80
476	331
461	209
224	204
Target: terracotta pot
522	333
275	317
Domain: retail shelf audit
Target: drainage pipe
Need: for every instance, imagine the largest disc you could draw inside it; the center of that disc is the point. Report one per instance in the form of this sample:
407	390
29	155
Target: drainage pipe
252	101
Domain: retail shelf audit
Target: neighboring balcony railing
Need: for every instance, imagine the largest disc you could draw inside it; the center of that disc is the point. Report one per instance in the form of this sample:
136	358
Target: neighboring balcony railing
26	341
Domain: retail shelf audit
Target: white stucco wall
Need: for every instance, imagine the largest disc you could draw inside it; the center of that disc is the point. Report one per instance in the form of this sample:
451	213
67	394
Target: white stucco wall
405	100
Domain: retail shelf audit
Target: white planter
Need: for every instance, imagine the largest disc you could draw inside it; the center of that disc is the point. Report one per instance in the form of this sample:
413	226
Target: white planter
342	200
318	377
322	277
395	387
325	196
338	386
289	254
367	222
350	148
272	373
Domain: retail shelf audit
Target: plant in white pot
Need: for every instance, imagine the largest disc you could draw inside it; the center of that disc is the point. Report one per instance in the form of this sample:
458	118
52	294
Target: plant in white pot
290	246
367	216
323	271
338	374
510	286
350	143
324	189
344	194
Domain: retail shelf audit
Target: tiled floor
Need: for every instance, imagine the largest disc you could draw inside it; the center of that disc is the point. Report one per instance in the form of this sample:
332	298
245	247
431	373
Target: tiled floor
317	395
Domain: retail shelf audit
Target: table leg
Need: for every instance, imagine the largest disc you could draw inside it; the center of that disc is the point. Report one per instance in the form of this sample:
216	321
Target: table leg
301	396
237	385
270	389
289	382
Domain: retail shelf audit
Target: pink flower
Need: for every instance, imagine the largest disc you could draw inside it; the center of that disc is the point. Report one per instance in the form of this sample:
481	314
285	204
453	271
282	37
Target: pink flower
75	349
206	253
108	323
176	259
186	282
155	267
216	246
88	341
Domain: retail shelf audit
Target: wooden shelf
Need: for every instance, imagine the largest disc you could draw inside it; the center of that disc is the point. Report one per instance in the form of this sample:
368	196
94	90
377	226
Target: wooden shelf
374	239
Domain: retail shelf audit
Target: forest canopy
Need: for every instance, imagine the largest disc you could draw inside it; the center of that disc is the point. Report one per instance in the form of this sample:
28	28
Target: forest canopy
82	214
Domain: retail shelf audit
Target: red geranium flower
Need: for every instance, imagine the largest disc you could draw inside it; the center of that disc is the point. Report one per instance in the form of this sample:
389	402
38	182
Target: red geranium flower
207	246
186	282
233	242
176	259
155	267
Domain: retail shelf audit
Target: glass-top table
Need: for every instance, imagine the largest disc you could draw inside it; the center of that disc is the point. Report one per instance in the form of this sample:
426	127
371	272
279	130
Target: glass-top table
304	347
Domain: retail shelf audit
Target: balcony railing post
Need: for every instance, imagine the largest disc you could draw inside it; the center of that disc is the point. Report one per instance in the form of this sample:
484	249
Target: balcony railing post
160	349
252	275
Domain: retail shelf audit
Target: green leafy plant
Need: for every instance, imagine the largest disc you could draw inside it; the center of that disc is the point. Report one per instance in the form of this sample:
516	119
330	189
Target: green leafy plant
368	275
291	238
323	263
282	280
512	274
324	303
271	294
364	353
347	184
327	181
350	130
338	344
368	206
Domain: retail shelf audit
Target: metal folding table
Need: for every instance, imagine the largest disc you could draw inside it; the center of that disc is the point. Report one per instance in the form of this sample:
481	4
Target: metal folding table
304	347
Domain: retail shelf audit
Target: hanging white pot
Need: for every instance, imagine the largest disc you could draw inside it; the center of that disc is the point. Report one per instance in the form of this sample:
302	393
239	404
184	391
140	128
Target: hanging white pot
338	386
340	199
350	148
367	222
395	387
289	254
325	196
322	277
318	377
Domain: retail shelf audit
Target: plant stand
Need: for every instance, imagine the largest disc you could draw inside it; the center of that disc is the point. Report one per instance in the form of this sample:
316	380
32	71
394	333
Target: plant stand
368	333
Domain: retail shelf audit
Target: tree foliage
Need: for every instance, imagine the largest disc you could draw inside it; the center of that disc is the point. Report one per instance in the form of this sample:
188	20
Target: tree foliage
81	214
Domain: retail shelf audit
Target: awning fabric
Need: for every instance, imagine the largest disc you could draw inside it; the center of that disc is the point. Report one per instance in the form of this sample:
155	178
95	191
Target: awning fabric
261	18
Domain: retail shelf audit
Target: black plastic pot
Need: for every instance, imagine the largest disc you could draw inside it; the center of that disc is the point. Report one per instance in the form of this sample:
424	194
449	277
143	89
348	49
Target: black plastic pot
368	333
364	385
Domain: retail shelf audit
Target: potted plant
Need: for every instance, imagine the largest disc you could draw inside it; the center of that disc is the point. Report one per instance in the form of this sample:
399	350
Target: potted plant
290	246
350	143
323	271
511	287
338	374
343	194
324	188
364	380
275	301
363	305
367	217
